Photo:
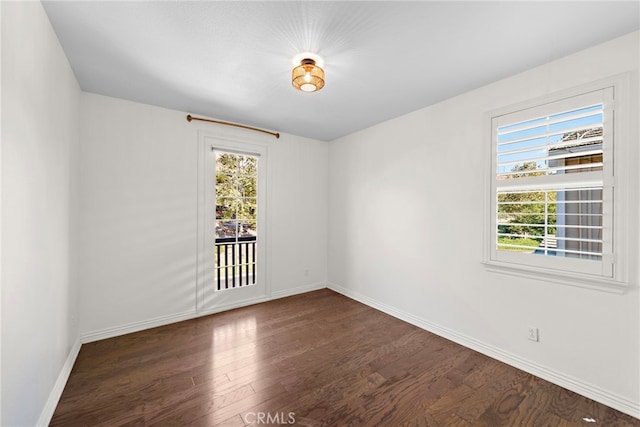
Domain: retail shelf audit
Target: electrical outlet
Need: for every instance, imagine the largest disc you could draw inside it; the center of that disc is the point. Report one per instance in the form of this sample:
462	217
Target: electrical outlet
533	334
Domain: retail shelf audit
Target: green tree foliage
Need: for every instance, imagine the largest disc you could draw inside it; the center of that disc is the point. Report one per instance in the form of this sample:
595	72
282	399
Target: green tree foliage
526	208
236	193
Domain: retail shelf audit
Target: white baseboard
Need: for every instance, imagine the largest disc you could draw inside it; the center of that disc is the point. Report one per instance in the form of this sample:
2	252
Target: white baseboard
298	290
274	295
233	306
590	391
179	317
136	326
58	387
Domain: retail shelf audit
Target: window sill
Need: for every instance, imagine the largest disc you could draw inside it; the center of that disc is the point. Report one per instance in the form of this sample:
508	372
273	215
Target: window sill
564	278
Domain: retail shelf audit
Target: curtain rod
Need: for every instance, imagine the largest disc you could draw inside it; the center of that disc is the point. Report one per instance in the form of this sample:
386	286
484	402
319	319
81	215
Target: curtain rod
276	134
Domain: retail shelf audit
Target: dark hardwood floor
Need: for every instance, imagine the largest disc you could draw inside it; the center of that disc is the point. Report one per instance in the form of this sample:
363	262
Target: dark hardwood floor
327	360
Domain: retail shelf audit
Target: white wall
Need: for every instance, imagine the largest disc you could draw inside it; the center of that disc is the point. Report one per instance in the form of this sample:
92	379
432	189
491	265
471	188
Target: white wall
406	228
139	208
40	111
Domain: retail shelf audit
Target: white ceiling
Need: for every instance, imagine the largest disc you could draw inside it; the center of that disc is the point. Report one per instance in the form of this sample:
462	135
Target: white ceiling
232	60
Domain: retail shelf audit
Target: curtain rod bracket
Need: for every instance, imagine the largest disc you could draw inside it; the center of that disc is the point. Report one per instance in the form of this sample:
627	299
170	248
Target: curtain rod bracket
276	134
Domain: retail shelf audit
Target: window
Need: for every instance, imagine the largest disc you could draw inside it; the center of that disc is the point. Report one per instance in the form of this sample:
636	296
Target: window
236	192
552	188
232	222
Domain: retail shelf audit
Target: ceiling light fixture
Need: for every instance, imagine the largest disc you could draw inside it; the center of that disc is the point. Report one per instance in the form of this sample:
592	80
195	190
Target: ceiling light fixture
307	77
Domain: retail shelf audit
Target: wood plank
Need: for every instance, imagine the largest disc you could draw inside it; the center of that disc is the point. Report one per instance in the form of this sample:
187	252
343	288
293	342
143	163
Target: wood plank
328	359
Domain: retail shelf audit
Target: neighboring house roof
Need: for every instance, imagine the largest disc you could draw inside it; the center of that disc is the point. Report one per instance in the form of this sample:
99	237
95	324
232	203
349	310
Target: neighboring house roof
582	138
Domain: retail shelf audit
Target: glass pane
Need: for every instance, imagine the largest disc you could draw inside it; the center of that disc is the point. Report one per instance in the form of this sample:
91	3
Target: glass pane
596	107
247	186
226	163
520	134
248	165
226	185
528	123
247	208
579	122
586	163
226	229
566	222
247	228
226	208
223	255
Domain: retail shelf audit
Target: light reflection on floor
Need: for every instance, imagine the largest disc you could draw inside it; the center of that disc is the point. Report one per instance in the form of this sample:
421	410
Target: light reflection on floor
233	351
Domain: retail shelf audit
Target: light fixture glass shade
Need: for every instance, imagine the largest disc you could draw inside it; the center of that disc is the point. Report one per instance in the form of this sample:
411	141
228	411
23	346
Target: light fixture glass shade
307	76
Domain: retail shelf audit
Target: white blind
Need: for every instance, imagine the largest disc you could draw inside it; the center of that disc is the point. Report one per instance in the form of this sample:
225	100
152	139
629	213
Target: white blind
549	184
566	142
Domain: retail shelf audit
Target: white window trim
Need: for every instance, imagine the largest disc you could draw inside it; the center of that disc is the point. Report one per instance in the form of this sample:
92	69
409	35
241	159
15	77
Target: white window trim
625	134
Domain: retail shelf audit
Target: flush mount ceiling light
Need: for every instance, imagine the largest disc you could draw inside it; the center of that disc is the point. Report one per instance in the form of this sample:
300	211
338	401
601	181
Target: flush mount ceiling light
307	77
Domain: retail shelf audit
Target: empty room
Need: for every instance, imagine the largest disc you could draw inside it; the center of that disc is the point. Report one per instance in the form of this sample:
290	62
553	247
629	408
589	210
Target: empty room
320	213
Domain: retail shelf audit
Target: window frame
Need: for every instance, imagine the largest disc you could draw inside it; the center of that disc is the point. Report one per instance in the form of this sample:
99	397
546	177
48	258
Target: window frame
209	300
612	274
